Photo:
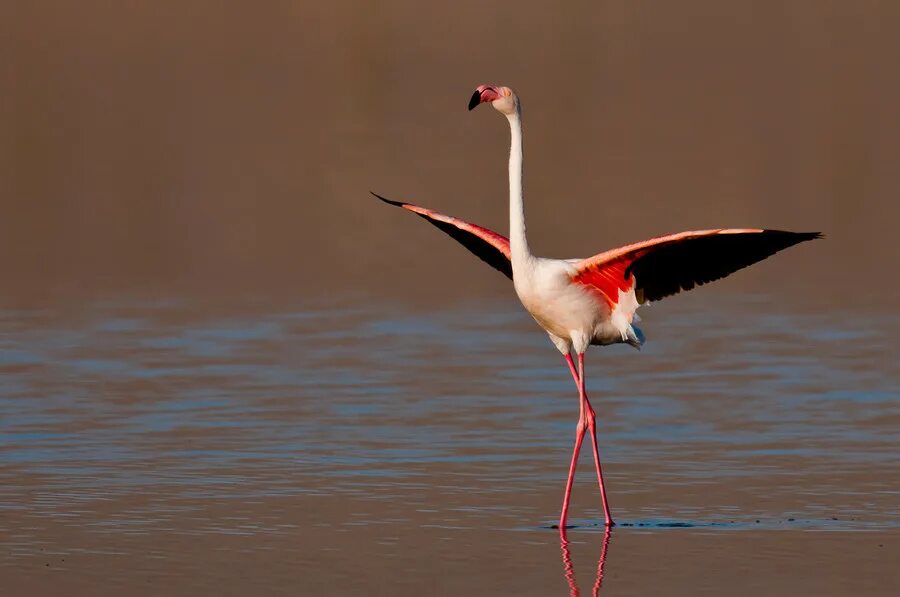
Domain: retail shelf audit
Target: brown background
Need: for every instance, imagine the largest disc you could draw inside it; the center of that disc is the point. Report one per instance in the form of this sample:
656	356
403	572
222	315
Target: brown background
229	149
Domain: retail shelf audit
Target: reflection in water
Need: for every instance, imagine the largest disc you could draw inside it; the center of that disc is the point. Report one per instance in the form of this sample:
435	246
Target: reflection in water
569	569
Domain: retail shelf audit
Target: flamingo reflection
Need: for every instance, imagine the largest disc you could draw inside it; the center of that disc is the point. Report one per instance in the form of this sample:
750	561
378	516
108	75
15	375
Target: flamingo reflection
569	569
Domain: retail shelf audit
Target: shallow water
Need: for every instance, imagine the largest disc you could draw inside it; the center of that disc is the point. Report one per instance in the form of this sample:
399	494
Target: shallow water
152	445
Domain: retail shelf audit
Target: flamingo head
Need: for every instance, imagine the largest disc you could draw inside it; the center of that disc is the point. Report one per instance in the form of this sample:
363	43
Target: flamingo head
503	99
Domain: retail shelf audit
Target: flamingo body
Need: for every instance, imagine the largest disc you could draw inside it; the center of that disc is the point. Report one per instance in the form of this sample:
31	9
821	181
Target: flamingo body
580	302
575	315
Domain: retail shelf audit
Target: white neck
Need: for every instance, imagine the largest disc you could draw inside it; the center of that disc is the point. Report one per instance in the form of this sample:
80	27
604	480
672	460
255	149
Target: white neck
517	242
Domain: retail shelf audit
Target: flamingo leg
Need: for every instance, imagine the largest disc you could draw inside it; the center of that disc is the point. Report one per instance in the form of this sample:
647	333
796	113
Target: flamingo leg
592	425
579	437
587	419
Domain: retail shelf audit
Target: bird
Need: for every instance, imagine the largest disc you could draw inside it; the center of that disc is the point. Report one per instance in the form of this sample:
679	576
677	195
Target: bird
593	301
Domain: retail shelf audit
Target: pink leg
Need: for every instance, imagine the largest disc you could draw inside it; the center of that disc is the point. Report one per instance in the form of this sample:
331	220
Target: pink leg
592	424
586	419
579	436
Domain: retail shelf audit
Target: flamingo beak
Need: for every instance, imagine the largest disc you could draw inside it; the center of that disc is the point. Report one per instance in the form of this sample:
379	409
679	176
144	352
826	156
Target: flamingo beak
476	99
484	93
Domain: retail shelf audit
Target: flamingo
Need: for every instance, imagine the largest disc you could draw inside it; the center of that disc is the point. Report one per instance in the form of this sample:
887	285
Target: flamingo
593	301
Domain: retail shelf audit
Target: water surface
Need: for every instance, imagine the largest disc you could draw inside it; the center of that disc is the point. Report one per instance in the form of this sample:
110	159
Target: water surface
157	444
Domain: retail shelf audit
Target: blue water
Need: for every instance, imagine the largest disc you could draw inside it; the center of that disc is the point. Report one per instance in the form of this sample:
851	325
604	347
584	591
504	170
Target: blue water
126	397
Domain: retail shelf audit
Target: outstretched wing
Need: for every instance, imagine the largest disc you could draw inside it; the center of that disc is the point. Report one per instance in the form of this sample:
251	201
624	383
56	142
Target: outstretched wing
487	245
666	265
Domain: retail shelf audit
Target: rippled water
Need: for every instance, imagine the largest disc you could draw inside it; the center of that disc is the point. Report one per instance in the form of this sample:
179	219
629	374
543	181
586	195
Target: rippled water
376	448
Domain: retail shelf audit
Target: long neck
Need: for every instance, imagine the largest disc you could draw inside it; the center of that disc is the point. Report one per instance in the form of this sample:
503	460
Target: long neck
517	241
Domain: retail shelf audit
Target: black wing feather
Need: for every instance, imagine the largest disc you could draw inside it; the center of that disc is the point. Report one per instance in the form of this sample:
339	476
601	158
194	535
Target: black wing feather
476	245
672	267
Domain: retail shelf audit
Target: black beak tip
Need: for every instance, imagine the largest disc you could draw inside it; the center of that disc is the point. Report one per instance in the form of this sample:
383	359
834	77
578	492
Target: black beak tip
476	99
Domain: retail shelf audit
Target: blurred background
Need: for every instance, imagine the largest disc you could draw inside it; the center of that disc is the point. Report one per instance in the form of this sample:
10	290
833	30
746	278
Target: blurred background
228	149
